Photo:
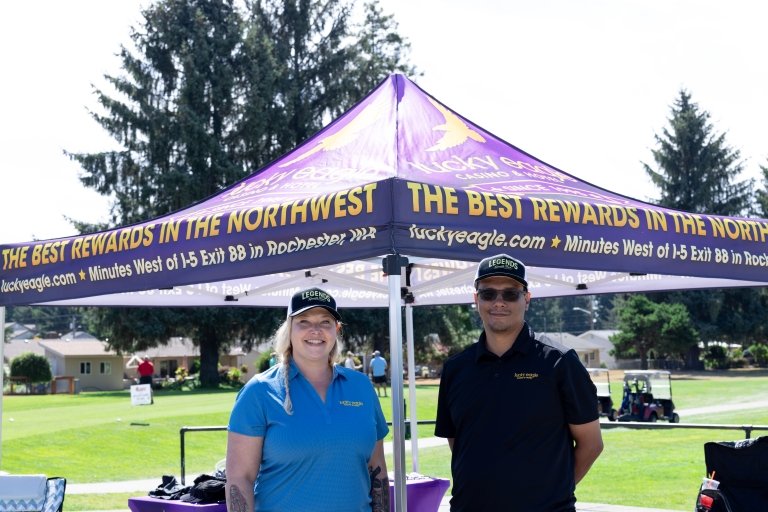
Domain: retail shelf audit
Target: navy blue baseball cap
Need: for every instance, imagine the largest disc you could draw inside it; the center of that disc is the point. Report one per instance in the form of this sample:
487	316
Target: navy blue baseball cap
312	298
501	265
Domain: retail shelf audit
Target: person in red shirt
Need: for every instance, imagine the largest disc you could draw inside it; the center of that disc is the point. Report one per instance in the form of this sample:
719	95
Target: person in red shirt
146	370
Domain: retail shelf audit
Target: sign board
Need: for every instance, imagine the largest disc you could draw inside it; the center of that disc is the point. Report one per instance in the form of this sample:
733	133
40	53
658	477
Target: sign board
141	394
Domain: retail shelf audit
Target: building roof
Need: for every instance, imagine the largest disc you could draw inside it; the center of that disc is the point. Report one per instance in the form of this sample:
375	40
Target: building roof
15	347
21	331
600	337
78	335
180	347
569	340
77	348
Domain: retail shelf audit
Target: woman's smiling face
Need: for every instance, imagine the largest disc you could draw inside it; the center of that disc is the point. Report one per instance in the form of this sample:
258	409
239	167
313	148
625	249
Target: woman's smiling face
313	335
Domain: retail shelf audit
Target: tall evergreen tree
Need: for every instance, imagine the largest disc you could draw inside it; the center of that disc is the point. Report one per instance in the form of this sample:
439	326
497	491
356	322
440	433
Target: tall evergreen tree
697	170
762	195
211	91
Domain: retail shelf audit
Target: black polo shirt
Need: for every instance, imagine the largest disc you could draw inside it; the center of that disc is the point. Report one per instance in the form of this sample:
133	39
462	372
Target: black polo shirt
509	417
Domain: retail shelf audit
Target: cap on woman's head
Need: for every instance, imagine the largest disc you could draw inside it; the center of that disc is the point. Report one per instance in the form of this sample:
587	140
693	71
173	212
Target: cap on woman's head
312	298
501	265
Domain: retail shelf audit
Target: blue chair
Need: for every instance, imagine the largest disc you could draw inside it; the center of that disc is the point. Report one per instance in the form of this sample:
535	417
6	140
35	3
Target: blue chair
32	493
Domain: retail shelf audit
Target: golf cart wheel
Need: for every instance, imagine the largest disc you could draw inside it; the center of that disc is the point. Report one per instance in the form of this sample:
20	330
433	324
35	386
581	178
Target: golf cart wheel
612	415
653	418
675	418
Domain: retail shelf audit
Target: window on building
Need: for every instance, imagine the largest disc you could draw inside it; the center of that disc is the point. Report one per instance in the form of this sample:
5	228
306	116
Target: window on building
105	368
85	368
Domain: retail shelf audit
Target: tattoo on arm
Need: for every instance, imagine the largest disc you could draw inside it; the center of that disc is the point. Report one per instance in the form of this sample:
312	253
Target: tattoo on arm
379	490
236	500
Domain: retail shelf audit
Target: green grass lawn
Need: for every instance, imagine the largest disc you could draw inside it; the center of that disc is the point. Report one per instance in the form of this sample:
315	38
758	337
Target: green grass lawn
98	437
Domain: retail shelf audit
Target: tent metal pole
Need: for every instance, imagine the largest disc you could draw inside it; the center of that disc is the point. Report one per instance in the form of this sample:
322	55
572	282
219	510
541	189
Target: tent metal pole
2	375
412	388
393	265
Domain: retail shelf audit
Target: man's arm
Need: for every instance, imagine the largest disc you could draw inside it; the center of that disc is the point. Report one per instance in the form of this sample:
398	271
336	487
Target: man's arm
243	462
377	468
588	445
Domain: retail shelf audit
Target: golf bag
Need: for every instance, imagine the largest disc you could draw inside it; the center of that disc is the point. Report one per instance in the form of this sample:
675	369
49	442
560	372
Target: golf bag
737	476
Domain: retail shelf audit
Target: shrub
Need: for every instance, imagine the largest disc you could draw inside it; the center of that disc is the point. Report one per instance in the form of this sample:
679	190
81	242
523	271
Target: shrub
716	358
263	362
32	366
233	376
759	353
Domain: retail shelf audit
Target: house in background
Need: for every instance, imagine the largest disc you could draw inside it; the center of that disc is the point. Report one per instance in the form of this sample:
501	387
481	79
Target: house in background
88	361
15	347
78	357
588	352
179	352
602	339
20	331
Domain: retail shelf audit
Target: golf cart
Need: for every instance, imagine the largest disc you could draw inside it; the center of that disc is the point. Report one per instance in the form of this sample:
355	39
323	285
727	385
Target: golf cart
647	397
602	382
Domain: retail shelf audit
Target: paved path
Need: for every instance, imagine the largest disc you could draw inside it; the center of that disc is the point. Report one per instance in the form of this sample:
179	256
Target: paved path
731	406
142	487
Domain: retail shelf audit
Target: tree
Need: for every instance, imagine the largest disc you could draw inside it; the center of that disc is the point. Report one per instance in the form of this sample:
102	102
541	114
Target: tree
212	91
645	326
575	314
368	329
32	366
49	322
697	171
762	195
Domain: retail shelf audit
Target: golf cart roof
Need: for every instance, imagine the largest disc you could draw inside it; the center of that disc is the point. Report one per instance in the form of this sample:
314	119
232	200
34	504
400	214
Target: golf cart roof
646	374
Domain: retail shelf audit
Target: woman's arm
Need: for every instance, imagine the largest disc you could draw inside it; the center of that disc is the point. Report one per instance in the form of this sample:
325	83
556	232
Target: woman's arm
243	462
377	468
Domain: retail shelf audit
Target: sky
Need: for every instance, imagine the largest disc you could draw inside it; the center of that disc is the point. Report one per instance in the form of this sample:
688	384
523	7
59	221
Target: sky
584	86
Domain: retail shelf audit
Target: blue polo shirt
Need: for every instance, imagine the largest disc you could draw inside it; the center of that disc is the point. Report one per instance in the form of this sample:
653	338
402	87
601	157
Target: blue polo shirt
317	458
378	366
509	418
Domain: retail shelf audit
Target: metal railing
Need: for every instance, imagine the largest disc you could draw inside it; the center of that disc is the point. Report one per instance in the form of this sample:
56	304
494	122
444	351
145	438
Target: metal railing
747	429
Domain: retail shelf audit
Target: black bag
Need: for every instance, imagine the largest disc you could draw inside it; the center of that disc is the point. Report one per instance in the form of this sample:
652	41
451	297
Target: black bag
741	467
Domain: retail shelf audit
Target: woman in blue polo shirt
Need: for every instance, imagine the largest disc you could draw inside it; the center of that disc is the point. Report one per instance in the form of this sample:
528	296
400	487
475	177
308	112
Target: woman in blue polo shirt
307	434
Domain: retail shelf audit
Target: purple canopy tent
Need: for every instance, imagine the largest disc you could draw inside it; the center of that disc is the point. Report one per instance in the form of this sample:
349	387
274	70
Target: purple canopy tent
399	192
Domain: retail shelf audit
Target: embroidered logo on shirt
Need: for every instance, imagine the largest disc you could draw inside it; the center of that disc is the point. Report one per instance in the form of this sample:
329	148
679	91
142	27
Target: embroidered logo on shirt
526	376
350	403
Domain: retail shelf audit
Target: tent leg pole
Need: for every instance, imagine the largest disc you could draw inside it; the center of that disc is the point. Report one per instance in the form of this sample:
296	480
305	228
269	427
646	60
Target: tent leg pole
393	265
412	388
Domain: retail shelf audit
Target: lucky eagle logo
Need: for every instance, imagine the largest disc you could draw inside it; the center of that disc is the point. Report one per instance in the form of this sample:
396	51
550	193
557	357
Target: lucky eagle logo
455	131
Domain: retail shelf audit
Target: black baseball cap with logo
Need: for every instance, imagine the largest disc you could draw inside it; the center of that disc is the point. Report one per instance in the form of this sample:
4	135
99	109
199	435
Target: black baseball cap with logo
312	298
501	265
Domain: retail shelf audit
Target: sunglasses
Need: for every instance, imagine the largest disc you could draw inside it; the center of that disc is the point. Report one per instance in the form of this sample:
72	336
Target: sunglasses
490	294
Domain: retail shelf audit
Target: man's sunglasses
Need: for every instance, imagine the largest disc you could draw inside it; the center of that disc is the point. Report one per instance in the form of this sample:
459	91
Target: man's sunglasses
490	294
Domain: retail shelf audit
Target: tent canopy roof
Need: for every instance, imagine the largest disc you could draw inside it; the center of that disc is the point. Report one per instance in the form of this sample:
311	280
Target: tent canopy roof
400	173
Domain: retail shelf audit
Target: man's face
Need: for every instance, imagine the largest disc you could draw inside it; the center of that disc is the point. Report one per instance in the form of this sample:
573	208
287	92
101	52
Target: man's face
500	315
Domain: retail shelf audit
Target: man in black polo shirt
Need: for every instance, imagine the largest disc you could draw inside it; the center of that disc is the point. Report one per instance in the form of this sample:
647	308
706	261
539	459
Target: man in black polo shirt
520	415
